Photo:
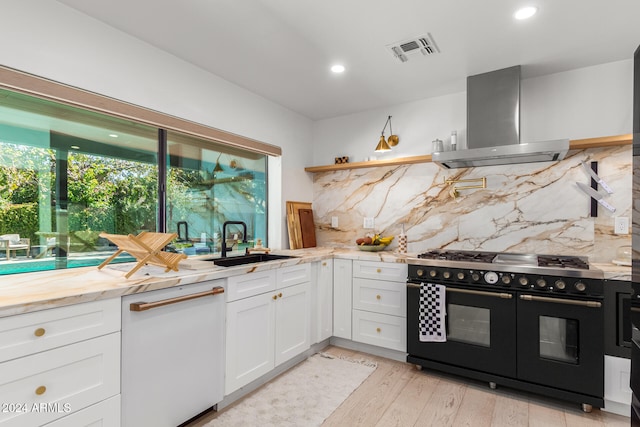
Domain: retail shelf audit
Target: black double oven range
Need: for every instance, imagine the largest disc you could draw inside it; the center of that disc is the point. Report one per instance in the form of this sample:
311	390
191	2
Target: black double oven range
530	322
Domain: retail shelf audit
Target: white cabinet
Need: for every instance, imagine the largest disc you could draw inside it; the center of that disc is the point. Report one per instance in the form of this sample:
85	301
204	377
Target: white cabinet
43	330
379	304
324	301
380	329
342	277
105	414
617	393
265	329
380	296
292	322
69	360
250	340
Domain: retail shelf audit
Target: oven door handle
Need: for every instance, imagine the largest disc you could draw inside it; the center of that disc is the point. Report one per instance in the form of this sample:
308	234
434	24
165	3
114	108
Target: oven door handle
593	304
502	295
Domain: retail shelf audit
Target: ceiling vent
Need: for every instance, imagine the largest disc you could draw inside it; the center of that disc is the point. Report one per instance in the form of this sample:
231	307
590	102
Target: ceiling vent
423	45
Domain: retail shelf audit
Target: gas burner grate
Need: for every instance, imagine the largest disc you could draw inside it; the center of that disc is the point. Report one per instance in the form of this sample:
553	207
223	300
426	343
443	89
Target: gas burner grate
458	256
562	262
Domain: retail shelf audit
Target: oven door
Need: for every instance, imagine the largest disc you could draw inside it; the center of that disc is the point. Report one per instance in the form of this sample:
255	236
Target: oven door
561	343
480	325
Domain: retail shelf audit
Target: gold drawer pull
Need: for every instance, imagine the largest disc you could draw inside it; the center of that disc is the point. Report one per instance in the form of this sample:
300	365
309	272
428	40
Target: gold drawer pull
40	390
378	330
379	270
324	264
275	297
378	297
39	332
280	295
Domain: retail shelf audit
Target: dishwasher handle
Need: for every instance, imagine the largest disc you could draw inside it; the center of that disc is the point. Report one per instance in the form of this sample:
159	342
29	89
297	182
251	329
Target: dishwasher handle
143	306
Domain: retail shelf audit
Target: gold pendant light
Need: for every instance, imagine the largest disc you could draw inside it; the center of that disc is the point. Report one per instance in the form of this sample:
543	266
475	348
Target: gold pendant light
382	145
386	144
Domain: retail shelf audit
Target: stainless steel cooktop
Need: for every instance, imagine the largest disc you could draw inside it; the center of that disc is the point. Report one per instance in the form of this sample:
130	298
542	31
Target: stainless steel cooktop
557	265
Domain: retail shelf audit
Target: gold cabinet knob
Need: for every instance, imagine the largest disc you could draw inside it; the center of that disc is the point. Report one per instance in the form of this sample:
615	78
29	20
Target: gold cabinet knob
378	330
40	390
379	270
324	264
275	297
378	297
280	295
39	332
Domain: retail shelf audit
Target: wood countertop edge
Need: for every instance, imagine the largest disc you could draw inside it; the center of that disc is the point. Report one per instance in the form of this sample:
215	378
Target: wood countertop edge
575	144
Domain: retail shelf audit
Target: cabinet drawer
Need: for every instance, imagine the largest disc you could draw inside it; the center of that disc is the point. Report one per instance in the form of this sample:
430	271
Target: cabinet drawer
382	330
380	296
62	380
294	275
251	284
380	270
30	333
105	414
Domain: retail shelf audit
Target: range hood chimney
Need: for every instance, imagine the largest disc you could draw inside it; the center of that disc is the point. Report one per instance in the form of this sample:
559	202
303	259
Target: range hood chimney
493	126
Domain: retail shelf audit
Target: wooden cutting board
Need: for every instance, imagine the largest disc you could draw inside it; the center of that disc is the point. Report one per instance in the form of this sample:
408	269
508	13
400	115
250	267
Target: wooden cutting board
307	228
302	233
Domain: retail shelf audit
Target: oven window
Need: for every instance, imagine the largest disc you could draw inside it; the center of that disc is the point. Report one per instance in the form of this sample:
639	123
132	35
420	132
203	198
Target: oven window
559	339
471	325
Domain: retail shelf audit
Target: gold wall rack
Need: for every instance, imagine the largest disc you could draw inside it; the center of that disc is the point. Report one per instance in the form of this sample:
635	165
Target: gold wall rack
454	191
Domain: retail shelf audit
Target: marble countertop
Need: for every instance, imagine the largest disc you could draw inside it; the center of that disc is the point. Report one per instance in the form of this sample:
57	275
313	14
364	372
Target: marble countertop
27	292
613	271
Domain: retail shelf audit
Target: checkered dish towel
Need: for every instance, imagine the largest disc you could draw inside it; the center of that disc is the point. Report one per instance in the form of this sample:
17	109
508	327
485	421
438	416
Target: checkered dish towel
432	309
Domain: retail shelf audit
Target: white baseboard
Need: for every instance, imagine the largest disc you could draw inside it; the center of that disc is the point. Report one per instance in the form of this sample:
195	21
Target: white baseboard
619	408
371	349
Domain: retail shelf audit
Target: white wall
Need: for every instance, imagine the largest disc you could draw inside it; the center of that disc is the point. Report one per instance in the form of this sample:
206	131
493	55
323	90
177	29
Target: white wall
584	103
48	39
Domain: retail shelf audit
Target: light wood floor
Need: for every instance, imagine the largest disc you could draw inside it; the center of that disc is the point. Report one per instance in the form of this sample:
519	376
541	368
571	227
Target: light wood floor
397	394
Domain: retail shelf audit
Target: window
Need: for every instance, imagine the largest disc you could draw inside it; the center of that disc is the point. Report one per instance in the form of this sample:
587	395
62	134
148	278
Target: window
67	174
208	184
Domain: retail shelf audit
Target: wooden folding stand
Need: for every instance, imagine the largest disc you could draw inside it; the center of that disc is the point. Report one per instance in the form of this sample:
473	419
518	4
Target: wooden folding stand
146	247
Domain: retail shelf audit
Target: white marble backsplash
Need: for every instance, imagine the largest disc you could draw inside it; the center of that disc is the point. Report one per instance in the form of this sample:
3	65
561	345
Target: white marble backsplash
526	208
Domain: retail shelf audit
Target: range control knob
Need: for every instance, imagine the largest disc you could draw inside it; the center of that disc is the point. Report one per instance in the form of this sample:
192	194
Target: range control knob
433	273
460	275
580	287
523	281
446	275
475	277
541	283
420	272
506	279
560	285
491	277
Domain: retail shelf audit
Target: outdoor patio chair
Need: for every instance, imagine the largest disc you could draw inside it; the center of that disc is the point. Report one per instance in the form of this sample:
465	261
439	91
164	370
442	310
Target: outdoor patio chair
146	247
13	242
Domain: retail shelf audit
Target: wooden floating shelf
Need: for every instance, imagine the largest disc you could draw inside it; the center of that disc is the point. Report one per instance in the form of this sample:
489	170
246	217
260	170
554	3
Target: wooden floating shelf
576	144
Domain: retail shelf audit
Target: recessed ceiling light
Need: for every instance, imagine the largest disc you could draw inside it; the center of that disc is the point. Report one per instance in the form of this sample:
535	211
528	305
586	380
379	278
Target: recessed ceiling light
337	68
525	12
113	135
75	147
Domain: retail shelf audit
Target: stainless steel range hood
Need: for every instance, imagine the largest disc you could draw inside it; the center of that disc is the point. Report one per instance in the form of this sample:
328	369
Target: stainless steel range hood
493	126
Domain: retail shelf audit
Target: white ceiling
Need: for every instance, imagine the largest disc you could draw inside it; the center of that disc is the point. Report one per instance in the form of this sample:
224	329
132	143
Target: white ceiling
282	49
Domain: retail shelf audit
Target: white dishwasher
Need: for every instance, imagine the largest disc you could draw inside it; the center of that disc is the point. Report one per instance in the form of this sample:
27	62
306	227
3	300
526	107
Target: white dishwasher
172	354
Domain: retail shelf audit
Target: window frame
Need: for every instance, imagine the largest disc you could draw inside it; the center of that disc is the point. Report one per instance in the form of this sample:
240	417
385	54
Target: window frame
35	86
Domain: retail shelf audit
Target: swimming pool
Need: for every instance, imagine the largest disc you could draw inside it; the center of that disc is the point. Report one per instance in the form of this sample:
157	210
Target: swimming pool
30	265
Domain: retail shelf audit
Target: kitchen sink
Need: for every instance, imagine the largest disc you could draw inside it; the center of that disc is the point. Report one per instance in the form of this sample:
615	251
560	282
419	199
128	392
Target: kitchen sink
247	259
